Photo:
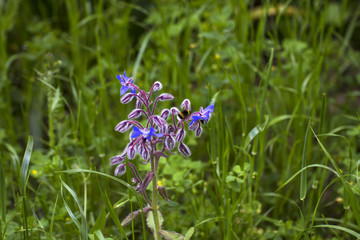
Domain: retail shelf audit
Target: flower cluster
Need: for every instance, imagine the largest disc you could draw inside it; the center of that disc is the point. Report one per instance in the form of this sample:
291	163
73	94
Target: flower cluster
161	133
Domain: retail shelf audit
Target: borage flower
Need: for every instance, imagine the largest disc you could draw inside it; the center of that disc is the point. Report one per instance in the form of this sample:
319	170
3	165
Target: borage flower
151	142
127	83
145	133
203	115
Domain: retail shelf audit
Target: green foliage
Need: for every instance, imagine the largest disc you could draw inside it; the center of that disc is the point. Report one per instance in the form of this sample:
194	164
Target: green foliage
271	67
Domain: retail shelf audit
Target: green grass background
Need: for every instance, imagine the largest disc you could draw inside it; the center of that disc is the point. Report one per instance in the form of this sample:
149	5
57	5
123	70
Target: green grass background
278	160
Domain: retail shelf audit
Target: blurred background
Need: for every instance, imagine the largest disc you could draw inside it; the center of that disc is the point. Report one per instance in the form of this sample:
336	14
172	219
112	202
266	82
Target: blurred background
275	64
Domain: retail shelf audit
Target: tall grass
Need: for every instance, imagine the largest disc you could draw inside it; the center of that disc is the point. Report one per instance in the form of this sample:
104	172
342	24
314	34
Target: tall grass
279	158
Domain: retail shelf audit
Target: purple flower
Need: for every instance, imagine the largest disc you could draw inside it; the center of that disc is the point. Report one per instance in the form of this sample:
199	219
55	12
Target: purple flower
127	83
145	133
203	114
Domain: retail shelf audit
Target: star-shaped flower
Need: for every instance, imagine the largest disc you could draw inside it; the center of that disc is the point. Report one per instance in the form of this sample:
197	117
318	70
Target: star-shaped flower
145	133
127	83
203	114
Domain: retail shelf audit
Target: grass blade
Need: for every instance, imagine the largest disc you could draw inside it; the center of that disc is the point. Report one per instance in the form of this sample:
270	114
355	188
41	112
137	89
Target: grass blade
303	180
111	209
25	165
349	231
3	192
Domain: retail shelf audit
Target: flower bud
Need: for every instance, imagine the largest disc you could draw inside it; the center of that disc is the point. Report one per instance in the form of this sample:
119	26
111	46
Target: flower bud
169	142
163	193
143	152
186	104
165	97
117	159
180	135
174	111
171	128
184	150
142	187
198	131
157	86
131	152
127	98
165	114
136	113
123	126
120	170
139	103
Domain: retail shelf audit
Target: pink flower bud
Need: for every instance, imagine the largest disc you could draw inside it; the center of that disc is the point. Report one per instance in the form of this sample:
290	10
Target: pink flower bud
165	114
120	170
123	126
165	97
184	150
126	98
180	135
186	104
169	142
157	86
117	159
131	152
136	113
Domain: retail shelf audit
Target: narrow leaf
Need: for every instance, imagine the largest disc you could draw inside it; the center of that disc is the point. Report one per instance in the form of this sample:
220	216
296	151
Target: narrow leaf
189	233
24	176
303	180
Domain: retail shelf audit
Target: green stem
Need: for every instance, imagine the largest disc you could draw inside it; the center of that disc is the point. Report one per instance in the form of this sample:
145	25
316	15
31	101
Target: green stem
155	199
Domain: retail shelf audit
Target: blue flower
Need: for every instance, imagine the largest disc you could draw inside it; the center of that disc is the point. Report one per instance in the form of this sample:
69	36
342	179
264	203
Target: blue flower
203	114
145	133
124	80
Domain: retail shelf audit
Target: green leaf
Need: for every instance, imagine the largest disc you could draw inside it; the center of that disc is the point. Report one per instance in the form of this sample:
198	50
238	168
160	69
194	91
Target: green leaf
111	209
24	176
255	131
213	99
171	235
100	222
303	169
3	192
303	180
189	233
150	220
355	234
83	228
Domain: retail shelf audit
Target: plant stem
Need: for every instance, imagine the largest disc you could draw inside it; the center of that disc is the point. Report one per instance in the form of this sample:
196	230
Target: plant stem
155	199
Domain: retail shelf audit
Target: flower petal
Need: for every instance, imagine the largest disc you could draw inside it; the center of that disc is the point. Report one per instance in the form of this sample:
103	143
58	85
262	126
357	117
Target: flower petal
194	119
136	132
209	108
119	77
123	90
